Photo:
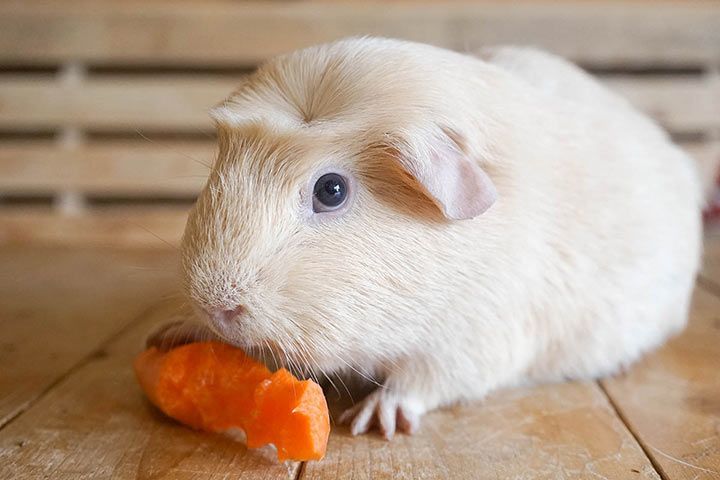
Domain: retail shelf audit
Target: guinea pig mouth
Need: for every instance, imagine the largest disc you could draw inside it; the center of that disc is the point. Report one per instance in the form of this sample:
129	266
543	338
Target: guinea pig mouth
228	325
241	332
225	316
229	333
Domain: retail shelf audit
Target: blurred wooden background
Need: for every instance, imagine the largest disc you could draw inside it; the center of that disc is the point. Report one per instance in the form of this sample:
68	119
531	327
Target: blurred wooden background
104	138
104	133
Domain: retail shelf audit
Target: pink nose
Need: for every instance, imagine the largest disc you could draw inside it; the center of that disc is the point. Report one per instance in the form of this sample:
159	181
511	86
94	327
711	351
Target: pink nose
224	317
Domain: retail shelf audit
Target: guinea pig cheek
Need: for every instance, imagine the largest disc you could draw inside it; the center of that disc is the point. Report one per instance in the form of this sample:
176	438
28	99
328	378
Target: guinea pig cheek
306	197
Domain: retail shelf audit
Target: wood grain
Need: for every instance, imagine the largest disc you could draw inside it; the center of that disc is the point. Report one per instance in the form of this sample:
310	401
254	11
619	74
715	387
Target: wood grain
711	264
123	226
131	168
678	103
95	424
181	102
145	168
554	431
71	319
671	399
223	32
57	306
178	103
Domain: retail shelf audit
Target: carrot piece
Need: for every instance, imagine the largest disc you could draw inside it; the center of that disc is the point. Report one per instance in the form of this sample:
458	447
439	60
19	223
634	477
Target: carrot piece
215	387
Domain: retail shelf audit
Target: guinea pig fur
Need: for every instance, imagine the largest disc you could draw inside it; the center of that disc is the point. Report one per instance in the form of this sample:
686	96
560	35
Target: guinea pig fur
507	220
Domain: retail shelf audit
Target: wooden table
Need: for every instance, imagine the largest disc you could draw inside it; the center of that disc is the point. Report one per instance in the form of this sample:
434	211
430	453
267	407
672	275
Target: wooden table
72	320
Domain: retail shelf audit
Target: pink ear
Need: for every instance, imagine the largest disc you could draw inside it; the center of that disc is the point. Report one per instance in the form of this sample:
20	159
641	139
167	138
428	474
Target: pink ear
455	182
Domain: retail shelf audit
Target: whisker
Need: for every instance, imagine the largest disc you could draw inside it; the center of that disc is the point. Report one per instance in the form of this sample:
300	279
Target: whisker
155	235
308	358
272	353
205	132
189	157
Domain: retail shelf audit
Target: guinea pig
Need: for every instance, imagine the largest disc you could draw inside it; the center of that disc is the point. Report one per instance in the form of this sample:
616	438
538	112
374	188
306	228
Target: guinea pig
444	224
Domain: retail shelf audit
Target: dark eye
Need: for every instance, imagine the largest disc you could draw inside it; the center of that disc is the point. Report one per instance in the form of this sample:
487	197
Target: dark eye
329	193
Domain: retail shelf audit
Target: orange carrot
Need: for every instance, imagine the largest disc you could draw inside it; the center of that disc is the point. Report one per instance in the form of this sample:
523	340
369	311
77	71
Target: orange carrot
215	387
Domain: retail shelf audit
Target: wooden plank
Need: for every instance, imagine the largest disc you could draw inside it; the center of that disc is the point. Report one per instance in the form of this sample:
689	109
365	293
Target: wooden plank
181	102
131	168
129	103
221	32
553	431
147	227
96	424
711	263
57	306
679	103
110	168
671	399
115	169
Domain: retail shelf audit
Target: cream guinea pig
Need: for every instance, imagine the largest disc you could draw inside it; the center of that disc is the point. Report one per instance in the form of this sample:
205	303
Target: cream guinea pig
444	224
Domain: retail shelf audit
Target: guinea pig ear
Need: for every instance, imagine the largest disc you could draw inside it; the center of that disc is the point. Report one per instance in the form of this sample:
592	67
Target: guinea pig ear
448	175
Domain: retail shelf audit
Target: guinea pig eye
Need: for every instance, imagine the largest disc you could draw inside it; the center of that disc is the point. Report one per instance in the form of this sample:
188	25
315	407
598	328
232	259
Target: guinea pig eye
329	193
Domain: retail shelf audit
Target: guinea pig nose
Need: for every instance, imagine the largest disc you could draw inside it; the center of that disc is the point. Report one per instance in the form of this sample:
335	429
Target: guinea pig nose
224	316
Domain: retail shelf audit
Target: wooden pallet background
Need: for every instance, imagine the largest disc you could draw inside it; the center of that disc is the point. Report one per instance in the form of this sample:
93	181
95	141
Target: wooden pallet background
104	141
104	135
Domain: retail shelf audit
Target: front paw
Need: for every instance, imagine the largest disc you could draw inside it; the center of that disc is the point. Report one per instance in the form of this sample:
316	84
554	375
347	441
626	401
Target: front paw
179	332
385	409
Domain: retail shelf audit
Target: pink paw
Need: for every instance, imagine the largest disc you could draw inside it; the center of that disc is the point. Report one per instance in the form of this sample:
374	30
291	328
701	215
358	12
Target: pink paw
390	412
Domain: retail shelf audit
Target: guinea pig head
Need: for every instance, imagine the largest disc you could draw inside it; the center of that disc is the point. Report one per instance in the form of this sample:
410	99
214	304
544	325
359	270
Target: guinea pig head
313	234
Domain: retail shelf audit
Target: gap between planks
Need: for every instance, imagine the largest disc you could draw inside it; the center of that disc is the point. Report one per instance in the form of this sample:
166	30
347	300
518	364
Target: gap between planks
709	285
633	433
100	425
676	387
4	422
303	470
